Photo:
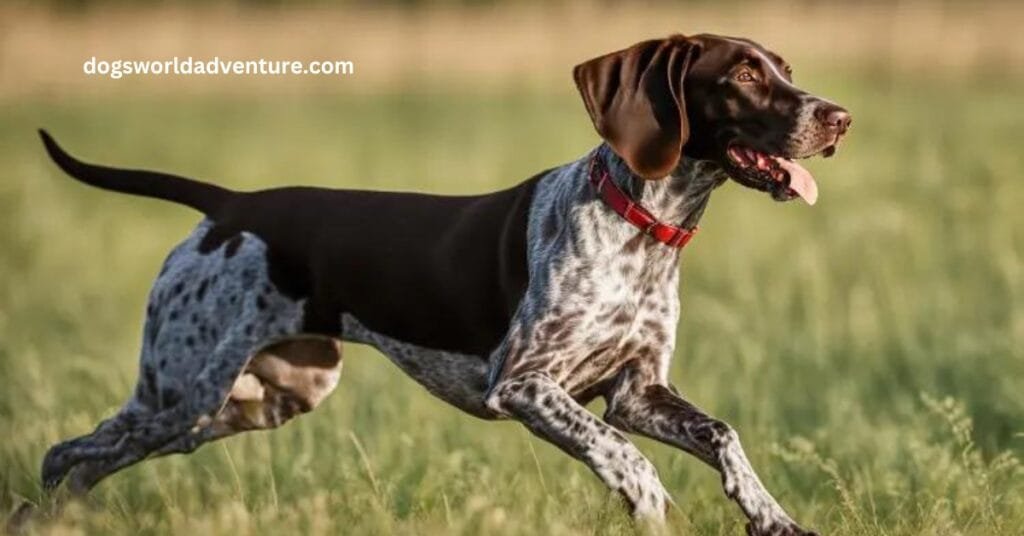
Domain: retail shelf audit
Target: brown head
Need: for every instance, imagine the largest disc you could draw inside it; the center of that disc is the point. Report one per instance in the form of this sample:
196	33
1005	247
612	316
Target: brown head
722	99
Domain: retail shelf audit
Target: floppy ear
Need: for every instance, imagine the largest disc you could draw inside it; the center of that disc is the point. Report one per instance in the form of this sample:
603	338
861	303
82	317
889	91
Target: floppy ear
635	99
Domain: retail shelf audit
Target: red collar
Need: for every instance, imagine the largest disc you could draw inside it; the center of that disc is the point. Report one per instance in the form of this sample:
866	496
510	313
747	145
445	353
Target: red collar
632	212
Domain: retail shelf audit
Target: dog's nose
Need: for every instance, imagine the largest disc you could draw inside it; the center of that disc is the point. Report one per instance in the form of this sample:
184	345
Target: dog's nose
835	117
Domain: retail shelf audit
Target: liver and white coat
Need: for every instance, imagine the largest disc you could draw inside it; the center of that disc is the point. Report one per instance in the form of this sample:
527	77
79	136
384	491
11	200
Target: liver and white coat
523	304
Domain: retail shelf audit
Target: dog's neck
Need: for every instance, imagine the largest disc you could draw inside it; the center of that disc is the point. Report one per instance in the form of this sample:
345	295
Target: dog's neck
679	199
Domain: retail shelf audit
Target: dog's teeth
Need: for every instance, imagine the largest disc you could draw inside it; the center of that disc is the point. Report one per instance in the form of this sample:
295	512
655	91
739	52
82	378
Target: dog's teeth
736	155
762	161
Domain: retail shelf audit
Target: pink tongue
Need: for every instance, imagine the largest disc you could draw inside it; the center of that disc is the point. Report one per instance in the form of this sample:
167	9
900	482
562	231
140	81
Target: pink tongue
800	180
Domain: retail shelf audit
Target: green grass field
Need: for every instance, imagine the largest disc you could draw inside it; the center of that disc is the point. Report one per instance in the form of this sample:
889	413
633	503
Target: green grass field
869	350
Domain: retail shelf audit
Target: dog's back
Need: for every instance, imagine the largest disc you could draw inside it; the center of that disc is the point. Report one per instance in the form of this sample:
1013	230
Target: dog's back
431	257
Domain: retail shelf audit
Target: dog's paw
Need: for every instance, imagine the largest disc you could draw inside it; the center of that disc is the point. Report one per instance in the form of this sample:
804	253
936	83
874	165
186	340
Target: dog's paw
55	468
778	528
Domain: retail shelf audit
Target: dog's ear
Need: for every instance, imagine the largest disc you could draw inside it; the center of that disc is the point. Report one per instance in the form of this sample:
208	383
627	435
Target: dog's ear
635	99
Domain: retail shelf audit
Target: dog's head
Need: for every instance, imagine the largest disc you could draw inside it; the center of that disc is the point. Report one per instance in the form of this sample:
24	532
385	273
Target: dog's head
723	99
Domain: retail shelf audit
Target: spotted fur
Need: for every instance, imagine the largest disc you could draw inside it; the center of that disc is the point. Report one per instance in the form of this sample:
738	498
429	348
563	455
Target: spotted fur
601	311
597	319
547	298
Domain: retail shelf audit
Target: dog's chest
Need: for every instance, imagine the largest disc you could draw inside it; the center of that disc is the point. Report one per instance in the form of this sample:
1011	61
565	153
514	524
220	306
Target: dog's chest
605	310
632	317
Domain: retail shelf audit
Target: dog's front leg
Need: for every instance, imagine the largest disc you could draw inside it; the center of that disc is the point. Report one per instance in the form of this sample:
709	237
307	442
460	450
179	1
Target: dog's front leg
656	411
550	413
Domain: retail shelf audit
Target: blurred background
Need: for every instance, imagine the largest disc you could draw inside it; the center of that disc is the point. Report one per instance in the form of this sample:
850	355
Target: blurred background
870	350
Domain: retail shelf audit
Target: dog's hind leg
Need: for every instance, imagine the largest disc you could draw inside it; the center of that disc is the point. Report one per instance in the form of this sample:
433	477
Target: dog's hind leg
128	438
281	381
62	457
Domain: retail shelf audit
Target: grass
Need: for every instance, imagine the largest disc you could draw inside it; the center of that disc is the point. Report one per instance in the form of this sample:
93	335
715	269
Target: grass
868	350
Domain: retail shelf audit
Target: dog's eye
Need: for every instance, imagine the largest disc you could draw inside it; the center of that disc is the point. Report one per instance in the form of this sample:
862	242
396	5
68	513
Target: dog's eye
744	76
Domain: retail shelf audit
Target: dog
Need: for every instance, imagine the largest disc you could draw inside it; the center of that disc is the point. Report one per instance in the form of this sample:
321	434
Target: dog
522	304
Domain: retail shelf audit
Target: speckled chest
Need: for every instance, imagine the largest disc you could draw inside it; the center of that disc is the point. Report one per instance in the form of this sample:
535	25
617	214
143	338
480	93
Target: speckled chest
627	311
601	293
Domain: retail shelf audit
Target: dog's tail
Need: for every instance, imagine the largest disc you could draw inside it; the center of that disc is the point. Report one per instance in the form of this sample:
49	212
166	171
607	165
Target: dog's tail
206	198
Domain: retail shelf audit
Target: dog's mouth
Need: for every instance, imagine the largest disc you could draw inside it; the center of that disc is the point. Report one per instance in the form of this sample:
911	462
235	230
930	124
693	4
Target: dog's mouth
781	177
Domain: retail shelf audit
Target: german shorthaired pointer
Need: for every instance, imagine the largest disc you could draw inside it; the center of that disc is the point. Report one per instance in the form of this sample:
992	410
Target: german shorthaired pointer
523	304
